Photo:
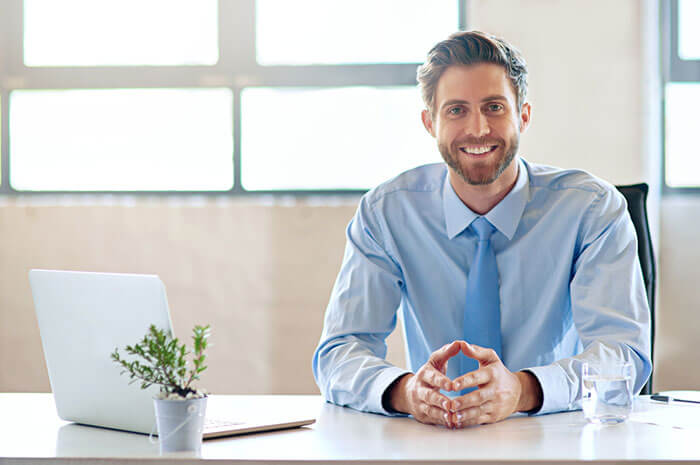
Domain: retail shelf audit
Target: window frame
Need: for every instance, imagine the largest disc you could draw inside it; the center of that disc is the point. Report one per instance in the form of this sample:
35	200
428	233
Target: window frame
236	69
674	69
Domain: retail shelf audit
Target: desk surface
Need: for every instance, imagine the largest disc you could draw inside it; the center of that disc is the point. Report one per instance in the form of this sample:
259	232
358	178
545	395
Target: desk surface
342	435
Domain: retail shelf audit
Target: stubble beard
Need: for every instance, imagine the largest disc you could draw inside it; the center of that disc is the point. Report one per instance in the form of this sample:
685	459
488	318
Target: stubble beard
482	173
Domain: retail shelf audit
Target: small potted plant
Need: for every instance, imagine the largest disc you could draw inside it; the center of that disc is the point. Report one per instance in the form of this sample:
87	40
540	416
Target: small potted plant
161	359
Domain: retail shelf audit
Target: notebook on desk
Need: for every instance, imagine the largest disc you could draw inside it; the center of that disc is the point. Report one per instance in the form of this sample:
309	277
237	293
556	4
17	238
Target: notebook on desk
82	318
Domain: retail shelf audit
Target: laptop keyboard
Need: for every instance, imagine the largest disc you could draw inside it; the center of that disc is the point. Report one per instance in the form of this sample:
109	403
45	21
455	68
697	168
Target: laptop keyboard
216	423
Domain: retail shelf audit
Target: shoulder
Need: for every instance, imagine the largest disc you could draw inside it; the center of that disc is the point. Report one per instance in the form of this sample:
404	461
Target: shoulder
580	197
393	203
425	179
567	180
573	186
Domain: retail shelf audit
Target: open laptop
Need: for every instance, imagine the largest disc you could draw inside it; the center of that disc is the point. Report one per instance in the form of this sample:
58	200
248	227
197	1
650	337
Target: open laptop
82	318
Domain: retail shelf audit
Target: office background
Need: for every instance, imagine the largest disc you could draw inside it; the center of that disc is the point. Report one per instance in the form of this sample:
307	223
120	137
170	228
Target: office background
260	269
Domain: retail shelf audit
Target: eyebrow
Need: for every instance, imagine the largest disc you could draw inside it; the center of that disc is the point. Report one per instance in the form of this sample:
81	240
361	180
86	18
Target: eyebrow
494	97
483	100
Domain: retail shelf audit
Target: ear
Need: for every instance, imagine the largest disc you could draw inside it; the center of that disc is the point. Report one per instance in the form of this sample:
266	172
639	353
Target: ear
427	122
525	117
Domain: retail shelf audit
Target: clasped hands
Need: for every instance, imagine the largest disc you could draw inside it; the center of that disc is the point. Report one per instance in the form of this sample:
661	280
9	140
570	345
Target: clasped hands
500	392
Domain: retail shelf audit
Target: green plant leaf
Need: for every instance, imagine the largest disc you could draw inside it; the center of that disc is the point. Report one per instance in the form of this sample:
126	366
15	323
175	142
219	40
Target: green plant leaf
161	359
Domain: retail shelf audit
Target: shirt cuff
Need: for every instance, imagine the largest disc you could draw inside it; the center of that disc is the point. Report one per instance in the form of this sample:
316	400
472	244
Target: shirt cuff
380	385
555	389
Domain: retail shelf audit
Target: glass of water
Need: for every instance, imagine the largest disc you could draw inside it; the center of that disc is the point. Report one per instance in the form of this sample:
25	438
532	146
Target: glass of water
607	392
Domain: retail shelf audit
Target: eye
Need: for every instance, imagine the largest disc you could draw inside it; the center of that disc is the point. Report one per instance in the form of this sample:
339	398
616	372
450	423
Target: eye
495	107
454	111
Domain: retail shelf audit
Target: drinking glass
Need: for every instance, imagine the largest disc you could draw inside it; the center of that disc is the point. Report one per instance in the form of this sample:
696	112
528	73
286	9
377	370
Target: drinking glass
606	392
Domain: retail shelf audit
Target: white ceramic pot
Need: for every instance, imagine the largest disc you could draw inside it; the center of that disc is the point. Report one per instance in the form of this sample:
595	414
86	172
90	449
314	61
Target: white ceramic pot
180	423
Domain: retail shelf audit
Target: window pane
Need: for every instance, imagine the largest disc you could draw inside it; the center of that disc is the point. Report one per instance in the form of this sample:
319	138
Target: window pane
120	32
688	31
340	138
362	31
121	139
682	151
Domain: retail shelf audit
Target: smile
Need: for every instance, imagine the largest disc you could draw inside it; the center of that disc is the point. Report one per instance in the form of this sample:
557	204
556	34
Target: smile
478	149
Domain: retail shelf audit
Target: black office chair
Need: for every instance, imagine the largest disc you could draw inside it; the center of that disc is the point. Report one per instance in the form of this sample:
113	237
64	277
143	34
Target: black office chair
636	195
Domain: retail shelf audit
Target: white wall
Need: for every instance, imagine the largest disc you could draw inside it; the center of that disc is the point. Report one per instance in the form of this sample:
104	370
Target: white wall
585	62
261	273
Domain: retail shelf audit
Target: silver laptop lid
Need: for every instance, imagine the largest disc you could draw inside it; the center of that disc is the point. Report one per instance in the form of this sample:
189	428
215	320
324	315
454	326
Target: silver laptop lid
82	318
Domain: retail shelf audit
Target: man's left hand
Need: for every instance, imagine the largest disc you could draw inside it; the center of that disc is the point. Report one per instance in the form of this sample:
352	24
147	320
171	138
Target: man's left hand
500	392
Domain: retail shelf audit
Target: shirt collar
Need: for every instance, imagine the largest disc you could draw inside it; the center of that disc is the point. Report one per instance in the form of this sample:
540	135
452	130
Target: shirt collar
505	216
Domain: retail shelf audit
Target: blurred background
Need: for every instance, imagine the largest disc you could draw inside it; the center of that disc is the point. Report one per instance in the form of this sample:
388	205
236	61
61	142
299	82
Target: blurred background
223	145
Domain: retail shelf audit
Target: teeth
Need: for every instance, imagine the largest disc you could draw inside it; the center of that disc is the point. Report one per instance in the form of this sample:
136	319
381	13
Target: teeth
477	150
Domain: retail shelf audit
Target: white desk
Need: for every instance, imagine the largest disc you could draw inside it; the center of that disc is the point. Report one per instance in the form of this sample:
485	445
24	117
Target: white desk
345	436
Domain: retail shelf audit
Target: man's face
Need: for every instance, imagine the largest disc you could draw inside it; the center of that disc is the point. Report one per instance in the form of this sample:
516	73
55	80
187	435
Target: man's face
476	121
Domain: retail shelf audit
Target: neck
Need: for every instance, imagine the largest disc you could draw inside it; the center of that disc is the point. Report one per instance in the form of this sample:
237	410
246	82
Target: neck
482	198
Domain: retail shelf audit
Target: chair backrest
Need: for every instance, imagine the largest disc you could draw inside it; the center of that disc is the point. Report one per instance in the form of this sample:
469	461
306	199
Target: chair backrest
636	196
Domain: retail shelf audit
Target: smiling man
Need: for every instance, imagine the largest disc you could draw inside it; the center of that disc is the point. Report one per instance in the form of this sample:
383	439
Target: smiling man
508	274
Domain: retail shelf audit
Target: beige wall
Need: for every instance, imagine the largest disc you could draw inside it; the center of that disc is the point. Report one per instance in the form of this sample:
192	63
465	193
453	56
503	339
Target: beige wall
678	317
261	272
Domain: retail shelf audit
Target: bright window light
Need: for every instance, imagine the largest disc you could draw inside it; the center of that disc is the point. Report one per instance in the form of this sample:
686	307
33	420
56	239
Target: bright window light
120	32
688	31
121	140
338	138
682	150
303	32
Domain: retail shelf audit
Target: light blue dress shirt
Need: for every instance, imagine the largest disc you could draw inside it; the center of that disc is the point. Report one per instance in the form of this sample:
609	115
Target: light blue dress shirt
571	287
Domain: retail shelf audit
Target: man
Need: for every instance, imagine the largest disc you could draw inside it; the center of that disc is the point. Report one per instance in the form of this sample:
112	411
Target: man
508	274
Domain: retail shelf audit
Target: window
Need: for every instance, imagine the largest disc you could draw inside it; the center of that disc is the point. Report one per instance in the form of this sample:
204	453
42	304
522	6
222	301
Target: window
681	95
147	139
213	96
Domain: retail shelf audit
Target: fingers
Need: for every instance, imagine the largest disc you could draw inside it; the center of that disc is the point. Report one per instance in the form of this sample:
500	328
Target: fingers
479	406
429	406
443	354
484	413
434	398
432	372
473	379
482	354
434	378
473	399
496	398
433	415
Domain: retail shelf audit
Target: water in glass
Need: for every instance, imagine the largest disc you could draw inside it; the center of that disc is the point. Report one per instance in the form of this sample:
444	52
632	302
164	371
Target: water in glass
607	392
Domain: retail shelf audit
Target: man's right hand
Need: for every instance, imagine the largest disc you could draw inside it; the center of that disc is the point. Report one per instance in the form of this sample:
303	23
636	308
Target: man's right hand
419	395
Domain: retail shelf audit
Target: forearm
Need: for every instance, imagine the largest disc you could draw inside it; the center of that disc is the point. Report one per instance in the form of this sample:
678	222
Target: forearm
608	298
349	372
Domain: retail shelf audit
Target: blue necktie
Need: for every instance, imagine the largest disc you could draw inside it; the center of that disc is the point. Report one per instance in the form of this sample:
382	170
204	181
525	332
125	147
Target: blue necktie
482	315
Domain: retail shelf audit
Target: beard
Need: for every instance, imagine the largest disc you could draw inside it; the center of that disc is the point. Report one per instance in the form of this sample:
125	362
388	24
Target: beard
480	172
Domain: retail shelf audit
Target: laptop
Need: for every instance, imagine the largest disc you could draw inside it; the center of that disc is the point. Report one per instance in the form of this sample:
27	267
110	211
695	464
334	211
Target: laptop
82	318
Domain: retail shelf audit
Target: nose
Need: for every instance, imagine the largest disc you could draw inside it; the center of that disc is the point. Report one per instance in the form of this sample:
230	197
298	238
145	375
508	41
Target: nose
477	124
